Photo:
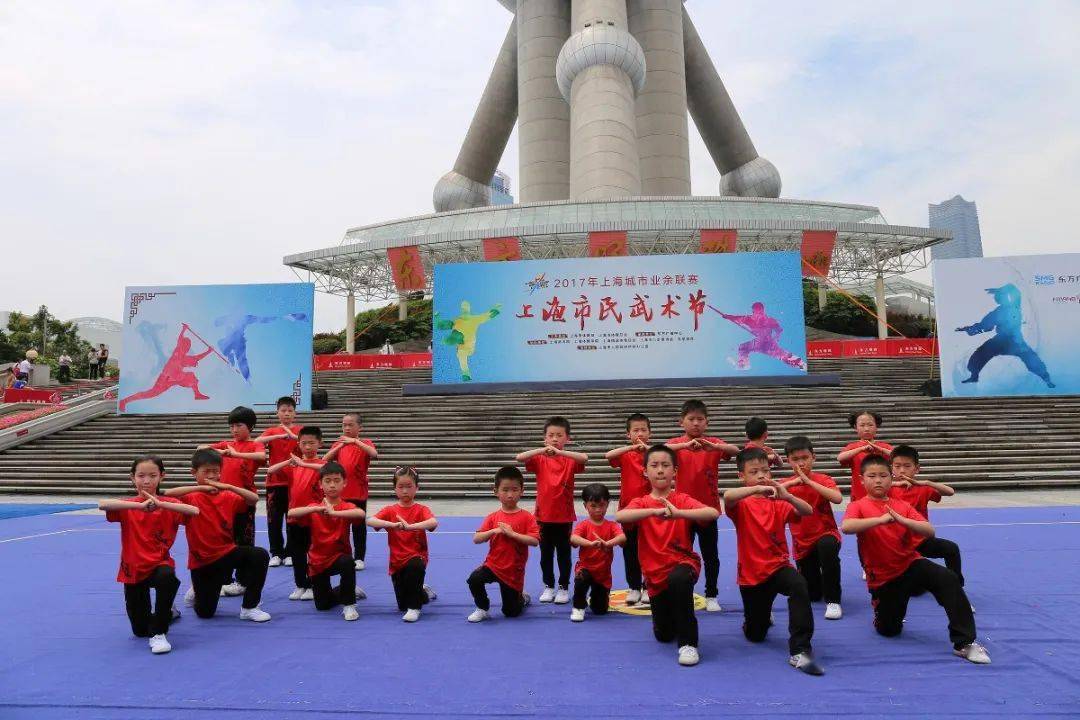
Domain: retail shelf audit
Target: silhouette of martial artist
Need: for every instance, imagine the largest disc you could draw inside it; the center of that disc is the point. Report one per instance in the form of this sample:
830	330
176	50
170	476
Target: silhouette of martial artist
1007	319
175	373
766	331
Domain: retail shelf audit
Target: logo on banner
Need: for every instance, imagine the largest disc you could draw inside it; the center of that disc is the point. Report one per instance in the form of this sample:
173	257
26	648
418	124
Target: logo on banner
537	283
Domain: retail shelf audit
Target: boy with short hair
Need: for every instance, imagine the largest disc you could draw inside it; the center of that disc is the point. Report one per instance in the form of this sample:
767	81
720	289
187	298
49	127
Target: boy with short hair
757	435
630	460
213	554
889	530
759	511
919	493
597	537
665	547
280	442
510	531
816	538
699	464
329	553
555	468
355	455
304	489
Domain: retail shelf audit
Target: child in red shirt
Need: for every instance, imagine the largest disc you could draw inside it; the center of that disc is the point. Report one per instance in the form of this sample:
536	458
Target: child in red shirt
555	468
630	460
407	524
148	526
665	548
757	435
889	530
329	554
304	489
759	511
596	537
699	465
865	424
510	531
213	554
280	444
355	455
815	537
907	486
241	458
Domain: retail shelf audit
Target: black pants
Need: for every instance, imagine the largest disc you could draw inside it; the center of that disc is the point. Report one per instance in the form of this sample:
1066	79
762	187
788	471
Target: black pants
597	594
250	563
947	550
243	536
327	597
630	558
63	373
359	532
92	370
890	601
144	621
277	506
708	536
409	585
512	601
555	541
299	539
758	601
673	609
821	570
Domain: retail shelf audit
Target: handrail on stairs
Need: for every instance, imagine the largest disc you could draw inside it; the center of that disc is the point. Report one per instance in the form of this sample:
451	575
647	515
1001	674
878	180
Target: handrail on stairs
78	410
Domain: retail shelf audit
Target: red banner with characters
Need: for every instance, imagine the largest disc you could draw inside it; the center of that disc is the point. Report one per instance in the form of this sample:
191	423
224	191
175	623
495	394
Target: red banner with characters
407	267
817	248
501	249
607	244
401	361
719	241
824	349
30	395
890	347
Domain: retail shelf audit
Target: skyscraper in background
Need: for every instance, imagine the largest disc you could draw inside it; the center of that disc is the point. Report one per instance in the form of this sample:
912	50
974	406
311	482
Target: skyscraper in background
962	218
500	189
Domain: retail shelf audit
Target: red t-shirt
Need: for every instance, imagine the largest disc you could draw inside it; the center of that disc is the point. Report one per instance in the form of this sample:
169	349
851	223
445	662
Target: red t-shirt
597	560
406	544
664	543
858	491
554	487
329	537
237	471
506	558
279	451
759	530
145	539
886	550
632	481
304	488
210	533
817	525
356	462
698	471
917	496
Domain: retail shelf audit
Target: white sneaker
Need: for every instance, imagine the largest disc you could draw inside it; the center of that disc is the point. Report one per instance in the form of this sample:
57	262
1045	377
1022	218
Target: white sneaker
974	652
307	594
275	561
159	645
431	595
255	614
972	609
548	595
287	562
297	594
688	656
360	594
645	598
189	597
233	589
864	575
633	597
359	564
411	615
349	613
526	599
577	615
712	605
804	662
562	596
478	615
833	611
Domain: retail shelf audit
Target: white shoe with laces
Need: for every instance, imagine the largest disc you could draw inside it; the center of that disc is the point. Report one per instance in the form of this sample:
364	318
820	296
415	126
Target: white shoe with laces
712	605
297	594
478	615
633	597
974	653
189	597
833	611
255	614
349	613
562	596
233	589
307	594
275	561
577	615
548	595
688	656
526	599
431	594
159	645
360	594
287	562
359	565
804	662
411	615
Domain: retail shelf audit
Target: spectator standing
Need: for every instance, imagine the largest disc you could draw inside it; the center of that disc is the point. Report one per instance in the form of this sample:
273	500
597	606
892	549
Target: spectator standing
64	373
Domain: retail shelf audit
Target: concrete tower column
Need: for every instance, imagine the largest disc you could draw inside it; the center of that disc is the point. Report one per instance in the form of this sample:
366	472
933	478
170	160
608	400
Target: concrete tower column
469	183
543	116
879	305
744	172
662	134
600	70
350	322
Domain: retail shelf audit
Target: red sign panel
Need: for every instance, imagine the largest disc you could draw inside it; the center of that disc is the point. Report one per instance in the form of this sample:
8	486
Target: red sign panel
407	267
719	241
912	347
502	248
607	244
824	349
402	361
29	395
817	248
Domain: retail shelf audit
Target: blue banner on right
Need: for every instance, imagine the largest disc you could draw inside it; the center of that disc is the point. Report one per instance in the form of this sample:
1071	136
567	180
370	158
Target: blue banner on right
1009	325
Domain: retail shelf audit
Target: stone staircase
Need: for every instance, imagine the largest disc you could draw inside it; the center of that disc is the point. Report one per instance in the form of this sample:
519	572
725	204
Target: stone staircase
458	441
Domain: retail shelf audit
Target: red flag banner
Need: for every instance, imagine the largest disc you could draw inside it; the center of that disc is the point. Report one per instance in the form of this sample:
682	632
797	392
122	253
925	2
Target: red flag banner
502	248
719	241
407	268
817	247
607	244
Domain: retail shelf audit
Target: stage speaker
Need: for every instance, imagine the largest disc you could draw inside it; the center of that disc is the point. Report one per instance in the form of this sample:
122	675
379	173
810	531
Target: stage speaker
319	399
931	388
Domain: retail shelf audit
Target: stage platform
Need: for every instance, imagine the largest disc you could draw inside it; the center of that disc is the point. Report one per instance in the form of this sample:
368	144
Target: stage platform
498	388
68	650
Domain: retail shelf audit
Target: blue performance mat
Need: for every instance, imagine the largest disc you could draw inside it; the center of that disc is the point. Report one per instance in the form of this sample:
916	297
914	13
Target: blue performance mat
67	649
15	510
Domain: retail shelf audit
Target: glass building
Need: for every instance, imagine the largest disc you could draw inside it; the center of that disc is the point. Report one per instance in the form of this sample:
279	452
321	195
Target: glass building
962	218
500	189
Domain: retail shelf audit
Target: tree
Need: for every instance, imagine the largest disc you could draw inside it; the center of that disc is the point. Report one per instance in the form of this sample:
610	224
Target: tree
48	335
326	343
841	314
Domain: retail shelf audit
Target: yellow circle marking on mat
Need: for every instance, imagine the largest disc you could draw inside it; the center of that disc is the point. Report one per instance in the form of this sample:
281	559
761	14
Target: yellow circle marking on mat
617	602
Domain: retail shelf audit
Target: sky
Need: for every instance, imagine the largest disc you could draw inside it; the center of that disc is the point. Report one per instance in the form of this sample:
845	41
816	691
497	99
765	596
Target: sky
192	142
